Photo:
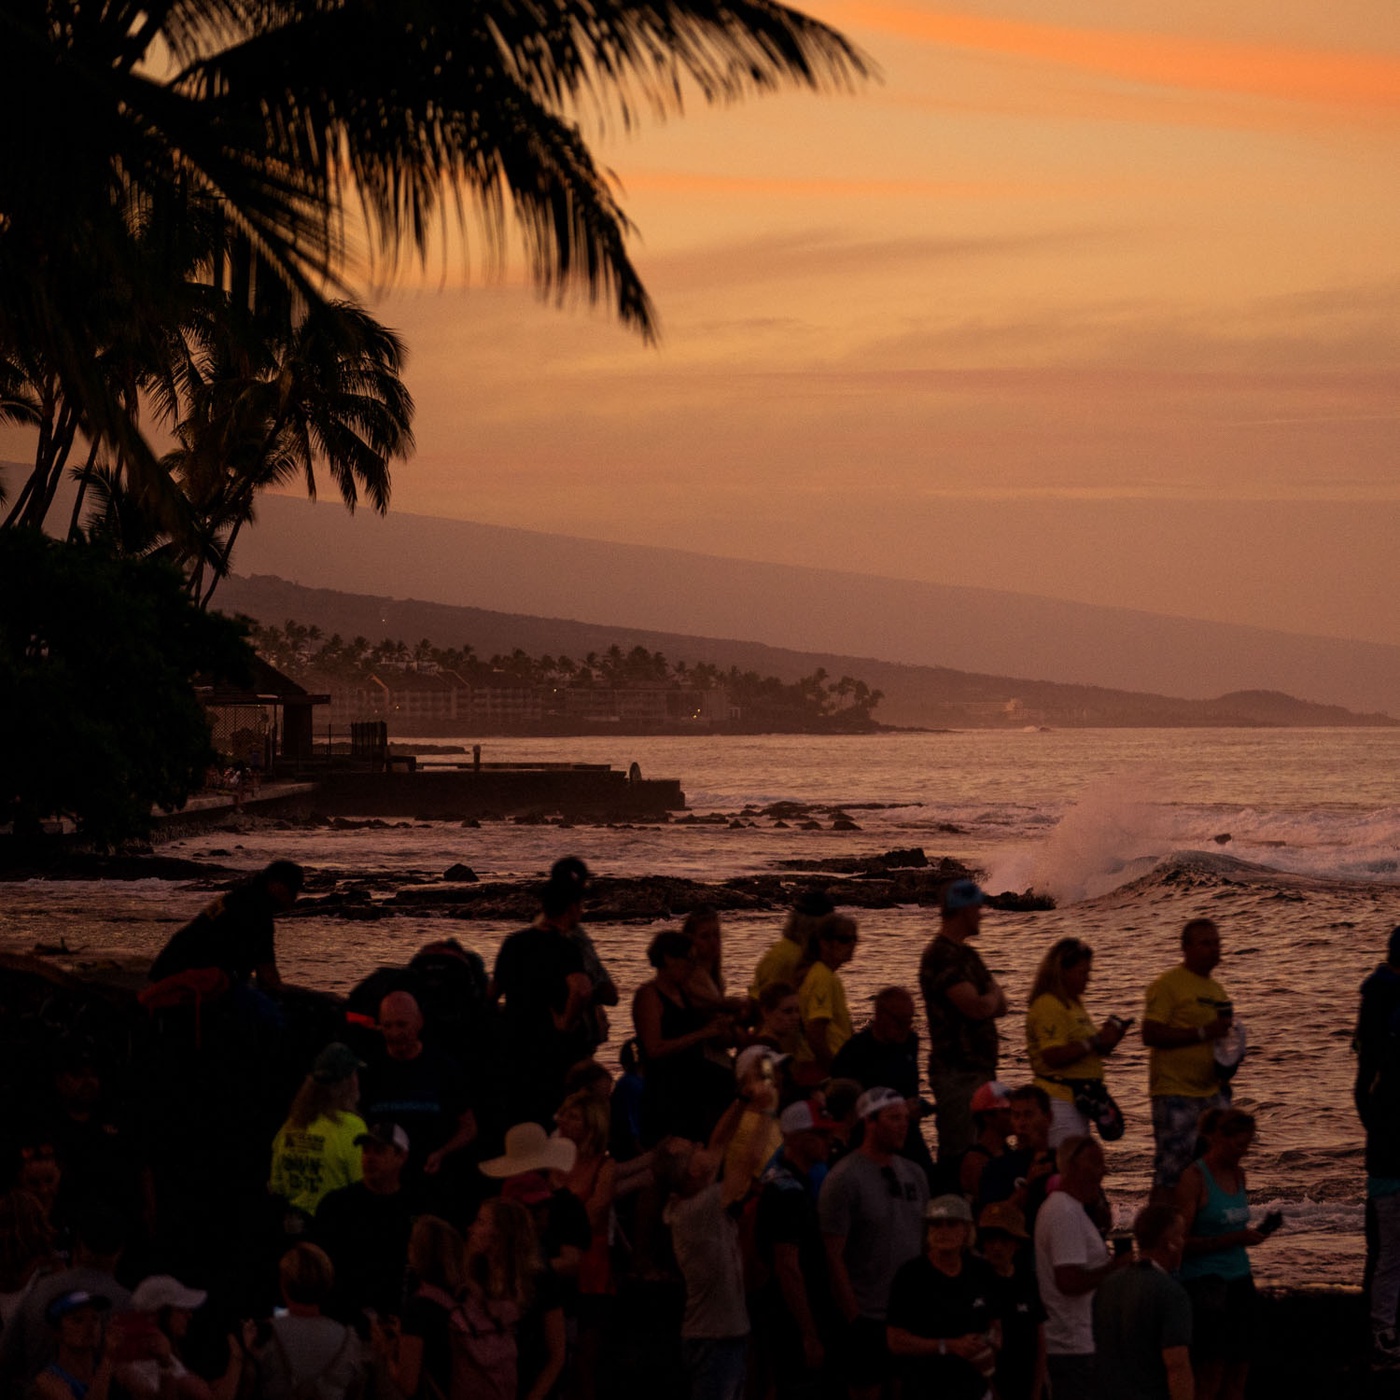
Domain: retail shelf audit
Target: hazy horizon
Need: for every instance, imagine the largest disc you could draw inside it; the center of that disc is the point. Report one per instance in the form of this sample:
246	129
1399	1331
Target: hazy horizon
651	587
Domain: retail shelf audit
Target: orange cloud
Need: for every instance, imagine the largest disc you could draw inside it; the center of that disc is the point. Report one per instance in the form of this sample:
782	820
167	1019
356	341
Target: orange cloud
1338	79
674	182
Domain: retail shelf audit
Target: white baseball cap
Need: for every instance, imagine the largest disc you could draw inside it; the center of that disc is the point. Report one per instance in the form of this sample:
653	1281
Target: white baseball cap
874	1100
165	1291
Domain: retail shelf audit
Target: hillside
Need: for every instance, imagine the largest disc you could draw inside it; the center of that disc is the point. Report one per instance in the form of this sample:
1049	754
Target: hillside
927	696
817	610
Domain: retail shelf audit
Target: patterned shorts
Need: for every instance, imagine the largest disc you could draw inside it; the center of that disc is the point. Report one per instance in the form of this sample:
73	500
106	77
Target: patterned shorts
1174	1120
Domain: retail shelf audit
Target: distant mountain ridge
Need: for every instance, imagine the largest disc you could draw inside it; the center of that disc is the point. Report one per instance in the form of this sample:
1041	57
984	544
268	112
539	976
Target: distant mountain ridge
809	609
929	696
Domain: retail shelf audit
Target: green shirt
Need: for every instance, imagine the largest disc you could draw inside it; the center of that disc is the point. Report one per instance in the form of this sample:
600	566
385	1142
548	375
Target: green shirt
1139	1312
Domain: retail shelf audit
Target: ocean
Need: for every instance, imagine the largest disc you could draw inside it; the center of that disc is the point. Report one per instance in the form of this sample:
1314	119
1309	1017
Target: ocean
1287	838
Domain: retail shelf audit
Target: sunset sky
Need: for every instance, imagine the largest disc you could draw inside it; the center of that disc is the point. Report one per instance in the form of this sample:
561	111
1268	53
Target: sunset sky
1099	301
1104	308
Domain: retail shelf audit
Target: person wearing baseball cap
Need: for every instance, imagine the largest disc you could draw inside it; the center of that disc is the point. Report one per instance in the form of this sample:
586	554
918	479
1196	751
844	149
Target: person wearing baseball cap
886	1051
364	1227
169	1307
944	1328
963	1001
1004	1242
991	1118
554	987
315	1150
81	1361
795	1304
872	1218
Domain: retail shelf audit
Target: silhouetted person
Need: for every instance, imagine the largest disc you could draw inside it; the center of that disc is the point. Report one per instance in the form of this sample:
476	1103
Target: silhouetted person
235	932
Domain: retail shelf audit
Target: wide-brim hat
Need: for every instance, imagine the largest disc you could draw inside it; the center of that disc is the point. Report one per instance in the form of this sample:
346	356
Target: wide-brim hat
530	1149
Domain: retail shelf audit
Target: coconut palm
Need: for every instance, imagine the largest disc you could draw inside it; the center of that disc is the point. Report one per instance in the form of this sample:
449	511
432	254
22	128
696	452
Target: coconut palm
268	402
331	135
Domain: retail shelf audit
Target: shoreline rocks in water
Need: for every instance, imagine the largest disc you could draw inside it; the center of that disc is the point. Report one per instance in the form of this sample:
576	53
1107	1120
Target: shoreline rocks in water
879	880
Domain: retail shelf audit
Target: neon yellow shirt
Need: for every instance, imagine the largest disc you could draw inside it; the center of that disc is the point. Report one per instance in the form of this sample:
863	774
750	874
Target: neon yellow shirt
778	964
1050	1022
1183	1000
824	998
310	1162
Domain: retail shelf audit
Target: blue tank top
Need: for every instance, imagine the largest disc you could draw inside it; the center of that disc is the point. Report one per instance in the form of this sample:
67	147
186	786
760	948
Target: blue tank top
1221	1214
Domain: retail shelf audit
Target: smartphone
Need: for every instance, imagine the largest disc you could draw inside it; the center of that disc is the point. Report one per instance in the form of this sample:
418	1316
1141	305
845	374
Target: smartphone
1270	1222
1122	1242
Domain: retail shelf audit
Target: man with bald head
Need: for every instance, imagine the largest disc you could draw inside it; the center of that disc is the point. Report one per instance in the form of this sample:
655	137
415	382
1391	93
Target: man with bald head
418	1087
886	1052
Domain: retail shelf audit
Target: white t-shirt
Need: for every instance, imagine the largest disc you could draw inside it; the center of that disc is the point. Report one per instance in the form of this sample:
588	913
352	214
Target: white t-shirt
1064	1234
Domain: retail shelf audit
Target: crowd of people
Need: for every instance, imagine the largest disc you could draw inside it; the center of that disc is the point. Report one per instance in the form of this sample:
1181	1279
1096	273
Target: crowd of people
462	1201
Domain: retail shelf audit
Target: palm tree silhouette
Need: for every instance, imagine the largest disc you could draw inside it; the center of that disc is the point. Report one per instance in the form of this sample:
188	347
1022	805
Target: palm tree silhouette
332	138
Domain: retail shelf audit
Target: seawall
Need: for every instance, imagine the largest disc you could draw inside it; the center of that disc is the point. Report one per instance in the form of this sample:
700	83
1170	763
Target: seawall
460	793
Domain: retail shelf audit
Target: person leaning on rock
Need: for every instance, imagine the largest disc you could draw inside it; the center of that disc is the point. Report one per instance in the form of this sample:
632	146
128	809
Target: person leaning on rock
235	932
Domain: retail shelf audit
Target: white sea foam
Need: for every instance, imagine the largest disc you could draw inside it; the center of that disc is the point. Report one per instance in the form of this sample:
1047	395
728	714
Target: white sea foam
1119	830
1113	834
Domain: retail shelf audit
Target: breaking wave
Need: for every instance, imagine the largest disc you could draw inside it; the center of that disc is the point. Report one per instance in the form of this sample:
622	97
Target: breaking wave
1117	834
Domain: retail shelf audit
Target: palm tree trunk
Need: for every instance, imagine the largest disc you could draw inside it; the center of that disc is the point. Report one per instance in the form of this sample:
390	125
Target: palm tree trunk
76	517
55	442
47	407
221	568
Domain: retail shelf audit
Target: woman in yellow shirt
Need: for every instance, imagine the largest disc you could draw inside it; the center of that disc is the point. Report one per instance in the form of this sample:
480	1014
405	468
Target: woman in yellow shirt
1062	1043
316	1149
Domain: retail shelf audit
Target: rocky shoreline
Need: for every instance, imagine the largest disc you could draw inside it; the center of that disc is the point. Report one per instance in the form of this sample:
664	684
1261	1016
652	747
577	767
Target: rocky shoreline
868	880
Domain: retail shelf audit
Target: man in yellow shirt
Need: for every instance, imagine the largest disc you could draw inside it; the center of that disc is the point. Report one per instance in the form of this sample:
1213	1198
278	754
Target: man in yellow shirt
1187	1012
826	1017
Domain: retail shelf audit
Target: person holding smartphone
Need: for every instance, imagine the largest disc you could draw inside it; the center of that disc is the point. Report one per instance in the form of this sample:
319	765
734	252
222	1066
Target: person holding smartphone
1213	1199
1066	1049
